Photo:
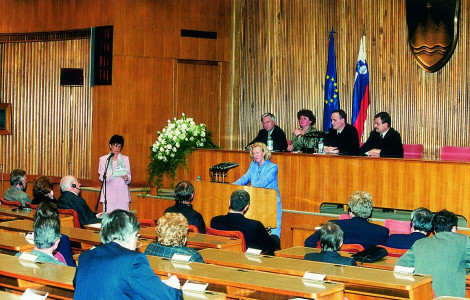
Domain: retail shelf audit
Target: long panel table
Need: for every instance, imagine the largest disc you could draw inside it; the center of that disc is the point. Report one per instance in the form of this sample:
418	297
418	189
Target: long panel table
246	284
308	180
358	281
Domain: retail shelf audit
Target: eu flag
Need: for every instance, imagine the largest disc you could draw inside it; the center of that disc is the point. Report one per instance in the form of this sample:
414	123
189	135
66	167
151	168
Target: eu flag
331	86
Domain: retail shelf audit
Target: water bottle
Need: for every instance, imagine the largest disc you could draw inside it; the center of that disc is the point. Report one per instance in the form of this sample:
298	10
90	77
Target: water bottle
320	146
270	144
198	179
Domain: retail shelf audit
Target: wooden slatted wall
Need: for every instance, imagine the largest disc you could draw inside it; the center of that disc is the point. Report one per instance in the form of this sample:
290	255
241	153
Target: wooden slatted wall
282	57
51	123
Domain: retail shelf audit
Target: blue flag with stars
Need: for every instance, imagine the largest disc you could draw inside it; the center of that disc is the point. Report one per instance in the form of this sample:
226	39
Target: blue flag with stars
331	86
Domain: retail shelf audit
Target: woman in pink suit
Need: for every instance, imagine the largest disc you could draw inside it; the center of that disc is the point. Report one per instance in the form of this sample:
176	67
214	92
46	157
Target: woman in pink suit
118	176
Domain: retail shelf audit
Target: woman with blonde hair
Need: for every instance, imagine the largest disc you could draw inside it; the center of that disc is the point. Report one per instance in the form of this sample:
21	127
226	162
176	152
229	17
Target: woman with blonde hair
172	232
263	173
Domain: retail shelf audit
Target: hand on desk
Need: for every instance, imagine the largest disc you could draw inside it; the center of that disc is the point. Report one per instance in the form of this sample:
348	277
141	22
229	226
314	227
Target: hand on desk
331	150
374	153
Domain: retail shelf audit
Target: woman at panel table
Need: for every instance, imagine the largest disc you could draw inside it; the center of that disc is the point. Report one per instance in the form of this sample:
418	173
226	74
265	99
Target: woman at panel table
118	176
299	140
263	173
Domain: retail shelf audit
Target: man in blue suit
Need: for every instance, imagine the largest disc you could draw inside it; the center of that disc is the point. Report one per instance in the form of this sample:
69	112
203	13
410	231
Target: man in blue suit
357	230
115	270
421	226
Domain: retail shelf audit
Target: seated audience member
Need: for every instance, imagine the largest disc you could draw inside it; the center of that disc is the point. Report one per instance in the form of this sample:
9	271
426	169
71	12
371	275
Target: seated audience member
254	231
49	210
357	230
70	199
331	240
342	138
172	232
444	256
300	139
46	239
42	190
17	189
115	270
421	225
383	141
270	130
184	195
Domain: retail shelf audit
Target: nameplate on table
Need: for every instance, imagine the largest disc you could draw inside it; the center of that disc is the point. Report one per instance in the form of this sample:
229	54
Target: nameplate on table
31	294
29	237
194	286
180	258
253	251
404	270
314	276
28	257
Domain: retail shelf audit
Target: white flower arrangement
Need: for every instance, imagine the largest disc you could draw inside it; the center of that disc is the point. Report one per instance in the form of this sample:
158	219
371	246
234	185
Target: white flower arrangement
179	138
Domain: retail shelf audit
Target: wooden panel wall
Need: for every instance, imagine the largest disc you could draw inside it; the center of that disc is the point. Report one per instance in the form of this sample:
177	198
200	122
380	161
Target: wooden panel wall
51	124
282	57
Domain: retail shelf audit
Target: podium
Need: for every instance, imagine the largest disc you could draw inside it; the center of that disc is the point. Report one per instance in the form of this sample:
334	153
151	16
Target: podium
212	199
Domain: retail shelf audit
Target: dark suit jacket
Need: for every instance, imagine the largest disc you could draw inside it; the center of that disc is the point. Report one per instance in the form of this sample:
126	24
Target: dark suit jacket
278	136
69	200
403	241
347	142
255	233
356	231
331	257
193	217
113	272
391	144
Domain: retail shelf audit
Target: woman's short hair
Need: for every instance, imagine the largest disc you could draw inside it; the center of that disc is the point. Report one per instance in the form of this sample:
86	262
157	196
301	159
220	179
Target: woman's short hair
307	113
263	147
42	186
46	232
331	237
360	203
117	139
119	225
46	209
184	191
172	229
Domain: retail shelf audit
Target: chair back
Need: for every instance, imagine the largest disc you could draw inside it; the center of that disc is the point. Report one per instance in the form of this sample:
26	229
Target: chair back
147	223
193	228
398	227
73	213
351	248
413	151
394	252
228	233
29	205
344	217
455	153
10	203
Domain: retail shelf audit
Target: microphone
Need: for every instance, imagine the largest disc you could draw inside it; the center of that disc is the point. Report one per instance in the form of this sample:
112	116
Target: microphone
111	155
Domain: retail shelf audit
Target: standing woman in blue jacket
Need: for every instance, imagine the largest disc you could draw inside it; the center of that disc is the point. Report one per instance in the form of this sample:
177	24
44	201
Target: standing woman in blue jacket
263	173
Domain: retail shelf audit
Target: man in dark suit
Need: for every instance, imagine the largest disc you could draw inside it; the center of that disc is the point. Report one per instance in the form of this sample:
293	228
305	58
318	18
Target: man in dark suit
115	270
254	231
70	199
342	138
331	240
357	230
421	225
184	195
444	256
270	129
384	141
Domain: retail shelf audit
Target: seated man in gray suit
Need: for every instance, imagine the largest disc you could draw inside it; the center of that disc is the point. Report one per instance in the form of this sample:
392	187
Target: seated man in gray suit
444	256
17	187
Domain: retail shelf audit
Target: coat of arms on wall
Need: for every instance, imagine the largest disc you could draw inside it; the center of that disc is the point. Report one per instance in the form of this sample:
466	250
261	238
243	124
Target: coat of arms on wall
432	31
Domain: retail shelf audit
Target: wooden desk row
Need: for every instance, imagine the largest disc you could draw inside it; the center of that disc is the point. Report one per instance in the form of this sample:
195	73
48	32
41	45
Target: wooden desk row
88	238
65	220
359	282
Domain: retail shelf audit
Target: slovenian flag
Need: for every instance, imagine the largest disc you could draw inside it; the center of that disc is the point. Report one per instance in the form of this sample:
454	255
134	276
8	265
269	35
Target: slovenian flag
331	86
360	101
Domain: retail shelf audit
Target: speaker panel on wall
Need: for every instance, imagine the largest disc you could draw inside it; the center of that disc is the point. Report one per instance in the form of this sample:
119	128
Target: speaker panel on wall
71	77
101	55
